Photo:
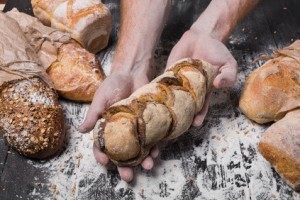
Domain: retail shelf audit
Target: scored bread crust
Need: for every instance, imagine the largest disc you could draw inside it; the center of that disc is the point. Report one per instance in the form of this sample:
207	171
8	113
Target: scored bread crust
161	110
75	72
272	93
273	89
88	21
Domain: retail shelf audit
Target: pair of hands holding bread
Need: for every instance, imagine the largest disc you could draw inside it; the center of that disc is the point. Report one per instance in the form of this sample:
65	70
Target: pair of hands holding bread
139	34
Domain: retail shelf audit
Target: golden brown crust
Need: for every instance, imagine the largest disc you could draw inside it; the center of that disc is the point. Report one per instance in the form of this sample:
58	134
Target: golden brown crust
161	110
76	73
273	89
88	22
280	145
31	118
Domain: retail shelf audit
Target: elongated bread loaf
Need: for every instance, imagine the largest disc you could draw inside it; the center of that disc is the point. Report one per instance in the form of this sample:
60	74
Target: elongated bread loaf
75	72
88	21
161	110
31	119
280	145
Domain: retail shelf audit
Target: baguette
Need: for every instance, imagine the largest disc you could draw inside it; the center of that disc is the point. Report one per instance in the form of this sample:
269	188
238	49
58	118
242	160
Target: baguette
161	110
88	21
75	72
31	119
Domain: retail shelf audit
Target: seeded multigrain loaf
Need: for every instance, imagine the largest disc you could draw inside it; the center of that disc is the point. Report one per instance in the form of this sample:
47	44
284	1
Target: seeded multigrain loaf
161	110
31	119
88	21
75	72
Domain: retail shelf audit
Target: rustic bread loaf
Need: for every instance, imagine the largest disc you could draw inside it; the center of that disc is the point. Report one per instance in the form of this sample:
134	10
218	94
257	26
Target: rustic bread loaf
88	21
161	110
31	119
75	72
272	93
280	145
273	89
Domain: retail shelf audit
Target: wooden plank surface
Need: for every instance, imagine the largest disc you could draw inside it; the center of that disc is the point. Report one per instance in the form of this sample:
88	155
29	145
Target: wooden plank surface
3	154
217	161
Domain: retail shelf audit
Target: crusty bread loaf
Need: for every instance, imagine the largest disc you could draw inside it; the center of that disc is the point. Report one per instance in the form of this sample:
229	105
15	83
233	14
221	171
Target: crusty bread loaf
272	93
273	89
75	72
88	21
31	118
161	110
280	145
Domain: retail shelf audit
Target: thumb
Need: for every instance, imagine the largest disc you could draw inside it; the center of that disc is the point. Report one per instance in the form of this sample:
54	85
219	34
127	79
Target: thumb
199	118
227	75
95	111
178	52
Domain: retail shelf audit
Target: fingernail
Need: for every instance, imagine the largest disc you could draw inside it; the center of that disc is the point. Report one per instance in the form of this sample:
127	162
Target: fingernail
81	129
223	82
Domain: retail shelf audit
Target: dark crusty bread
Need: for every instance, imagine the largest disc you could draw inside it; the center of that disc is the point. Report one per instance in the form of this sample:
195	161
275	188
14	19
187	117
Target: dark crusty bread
280	145
31	118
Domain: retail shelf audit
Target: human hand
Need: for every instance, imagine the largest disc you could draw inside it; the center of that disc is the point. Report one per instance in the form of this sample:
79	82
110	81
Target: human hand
194	44
117	86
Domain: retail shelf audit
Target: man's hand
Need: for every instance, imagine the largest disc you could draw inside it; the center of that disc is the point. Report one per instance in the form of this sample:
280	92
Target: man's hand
201	46
117	86
141	26
205	41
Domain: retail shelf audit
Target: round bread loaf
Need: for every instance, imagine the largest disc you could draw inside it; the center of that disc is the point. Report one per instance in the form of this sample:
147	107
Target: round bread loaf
273	89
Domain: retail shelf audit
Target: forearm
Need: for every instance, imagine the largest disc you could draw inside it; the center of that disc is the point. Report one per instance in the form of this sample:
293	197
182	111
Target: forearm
221	16
142	22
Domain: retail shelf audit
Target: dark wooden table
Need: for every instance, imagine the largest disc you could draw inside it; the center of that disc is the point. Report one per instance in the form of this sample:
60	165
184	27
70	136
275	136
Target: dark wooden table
217	161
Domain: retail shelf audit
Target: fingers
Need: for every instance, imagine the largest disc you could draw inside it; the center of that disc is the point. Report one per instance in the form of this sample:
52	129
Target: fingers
199	118
100	156
95	111
126	173
154	152
147	163
113	89
227	75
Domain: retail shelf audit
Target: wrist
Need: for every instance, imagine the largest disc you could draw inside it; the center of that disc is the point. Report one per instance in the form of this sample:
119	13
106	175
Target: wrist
216	21
132	65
